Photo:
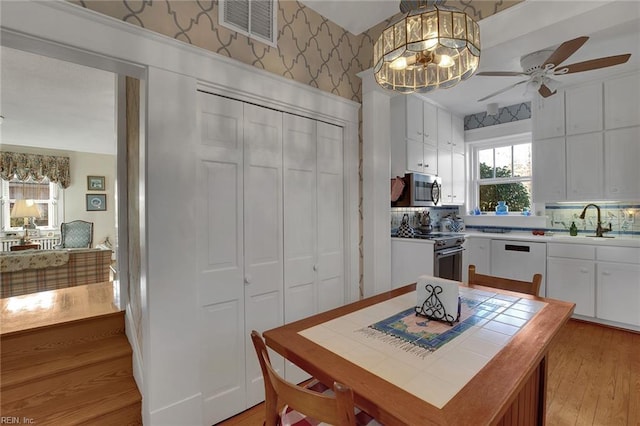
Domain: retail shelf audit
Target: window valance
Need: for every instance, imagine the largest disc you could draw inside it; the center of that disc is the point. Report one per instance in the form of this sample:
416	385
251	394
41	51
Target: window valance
35	166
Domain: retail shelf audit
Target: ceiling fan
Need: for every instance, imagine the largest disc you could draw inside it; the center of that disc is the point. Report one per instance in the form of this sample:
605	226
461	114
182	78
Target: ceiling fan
542	65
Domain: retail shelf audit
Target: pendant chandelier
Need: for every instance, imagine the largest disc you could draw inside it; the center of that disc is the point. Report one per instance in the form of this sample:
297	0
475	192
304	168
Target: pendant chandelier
431	47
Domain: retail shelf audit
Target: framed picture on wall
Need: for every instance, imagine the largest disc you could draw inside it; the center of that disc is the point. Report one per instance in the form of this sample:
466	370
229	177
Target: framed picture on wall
96	202
95	183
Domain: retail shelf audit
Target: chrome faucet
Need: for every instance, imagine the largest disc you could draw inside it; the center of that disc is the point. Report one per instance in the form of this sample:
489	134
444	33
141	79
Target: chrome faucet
599	229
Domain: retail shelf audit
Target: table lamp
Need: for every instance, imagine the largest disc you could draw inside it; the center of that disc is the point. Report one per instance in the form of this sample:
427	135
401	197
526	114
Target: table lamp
25	209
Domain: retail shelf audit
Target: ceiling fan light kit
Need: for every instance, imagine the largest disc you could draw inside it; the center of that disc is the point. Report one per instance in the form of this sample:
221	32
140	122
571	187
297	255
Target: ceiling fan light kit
431	47
542	65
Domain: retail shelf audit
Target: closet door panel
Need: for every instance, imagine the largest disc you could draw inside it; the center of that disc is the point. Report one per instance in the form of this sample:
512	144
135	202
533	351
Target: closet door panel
330	217
264	305
220	256
299	217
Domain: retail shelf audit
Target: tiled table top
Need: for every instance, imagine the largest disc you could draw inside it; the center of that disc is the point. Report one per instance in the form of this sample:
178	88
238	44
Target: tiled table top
437	376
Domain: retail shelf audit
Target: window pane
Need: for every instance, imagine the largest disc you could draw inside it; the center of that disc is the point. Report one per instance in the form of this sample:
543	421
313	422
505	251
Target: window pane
522	160
503	162
485	157
517	196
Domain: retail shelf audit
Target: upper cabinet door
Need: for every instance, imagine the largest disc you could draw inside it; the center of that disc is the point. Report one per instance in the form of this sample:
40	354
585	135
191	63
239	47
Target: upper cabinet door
444	129
621	159
584	167
548	116
430	123
549	176
584	109
457	134
621	102
414	118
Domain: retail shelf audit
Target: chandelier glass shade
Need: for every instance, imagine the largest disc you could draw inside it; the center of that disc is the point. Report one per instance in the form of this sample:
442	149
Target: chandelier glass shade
431	47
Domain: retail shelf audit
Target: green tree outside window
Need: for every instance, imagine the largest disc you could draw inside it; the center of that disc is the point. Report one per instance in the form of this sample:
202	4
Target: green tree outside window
515	194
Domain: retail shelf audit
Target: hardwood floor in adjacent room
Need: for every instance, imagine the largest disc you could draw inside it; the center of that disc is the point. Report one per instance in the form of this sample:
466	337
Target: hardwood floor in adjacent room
593	379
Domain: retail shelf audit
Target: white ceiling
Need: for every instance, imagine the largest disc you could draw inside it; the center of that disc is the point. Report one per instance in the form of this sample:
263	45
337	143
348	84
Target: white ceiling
58	105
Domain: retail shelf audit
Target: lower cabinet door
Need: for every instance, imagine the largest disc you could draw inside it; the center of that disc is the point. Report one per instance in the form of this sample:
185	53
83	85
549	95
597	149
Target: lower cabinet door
572	280
618	292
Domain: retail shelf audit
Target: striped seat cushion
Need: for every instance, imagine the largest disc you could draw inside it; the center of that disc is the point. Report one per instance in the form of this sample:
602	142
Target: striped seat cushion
291	417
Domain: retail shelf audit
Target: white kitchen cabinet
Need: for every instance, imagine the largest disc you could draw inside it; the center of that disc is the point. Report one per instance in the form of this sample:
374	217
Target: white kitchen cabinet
414	118
452	171
620	109
572	280
621	164
618	292
550	176
410	258
421	158
444	129
429	123
457	134
583	105
601	280
414	129
477	252
585	173
548	116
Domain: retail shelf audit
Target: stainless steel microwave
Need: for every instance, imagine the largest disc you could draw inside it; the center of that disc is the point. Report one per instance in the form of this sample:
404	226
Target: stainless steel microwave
420	190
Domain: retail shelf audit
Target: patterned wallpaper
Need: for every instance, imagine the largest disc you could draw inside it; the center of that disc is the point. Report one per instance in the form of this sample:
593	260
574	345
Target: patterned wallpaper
311	49
505	115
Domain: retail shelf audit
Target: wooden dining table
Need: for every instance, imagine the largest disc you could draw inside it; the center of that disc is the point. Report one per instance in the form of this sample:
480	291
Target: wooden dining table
402	385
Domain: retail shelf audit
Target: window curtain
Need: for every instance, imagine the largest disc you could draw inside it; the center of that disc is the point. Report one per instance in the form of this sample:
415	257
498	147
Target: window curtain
35	166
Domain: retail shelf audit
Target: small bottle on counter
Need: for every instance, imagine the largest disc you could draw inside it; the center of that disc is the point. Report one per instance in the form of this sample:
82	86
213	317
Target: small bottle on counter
573	229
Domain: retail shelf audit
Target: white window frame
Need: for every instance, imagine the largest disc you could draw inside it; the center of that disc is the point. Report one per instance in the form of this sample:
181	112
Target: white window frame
475	181
273	42
55	205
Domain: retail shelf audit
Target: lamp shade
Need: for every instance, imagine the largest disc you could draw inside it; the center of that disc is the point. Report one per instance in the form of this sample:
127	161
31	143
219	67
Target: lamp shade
431	47
25	208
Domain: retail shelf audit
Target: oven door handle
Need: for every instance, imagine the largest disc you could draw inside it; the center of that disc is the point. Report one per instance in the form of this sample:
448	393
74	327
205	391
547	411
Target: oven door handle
449	252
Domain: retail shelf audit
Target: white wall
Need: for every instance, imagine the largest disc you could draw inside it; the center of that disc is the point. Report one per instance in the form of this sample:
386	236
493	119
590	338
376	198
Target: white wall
83	165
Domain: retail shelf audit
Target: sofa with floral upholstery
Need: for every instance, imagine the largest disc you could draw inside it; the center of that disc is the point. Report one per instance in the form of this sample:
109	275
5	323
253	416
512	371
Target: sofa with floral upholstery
30	271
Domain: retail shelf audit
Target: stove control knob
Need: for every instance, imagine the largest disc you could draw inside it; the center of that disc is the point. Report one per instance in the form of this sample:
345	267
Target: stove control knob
440	243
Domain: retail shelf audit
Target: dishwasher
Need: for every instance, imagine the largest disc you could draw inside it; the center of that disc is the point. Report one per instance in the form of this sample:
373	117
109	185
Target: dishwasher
519	260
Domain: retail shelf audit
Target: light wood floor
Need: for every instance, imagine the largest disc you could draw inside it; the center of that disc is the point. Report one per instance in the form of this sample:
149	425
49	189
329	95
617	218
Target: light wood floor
594	379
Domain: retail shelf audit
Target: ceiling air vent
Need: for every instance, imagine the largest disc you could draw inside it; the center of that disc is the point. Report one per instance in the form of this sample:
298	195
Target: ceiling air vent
254	18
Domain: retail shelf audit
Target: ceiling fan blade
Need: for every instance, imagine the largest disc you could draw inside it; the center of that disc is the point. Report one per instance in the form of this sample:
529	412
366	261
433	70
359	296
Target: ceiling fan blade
594	64
545	91
502	90
502	73
565	50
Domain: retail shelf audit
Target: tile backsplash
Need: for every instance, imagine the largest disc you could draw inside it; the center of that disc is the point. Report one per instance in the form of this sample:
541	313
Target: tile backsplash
623	216
436	213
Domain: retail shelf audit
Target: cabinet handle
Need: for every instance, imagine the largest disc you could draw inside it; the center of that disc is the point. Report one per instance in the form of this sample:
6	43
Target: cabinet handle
419	133
420	164
606	273
614	189
426	165
247	279
584	270
426	135
315	267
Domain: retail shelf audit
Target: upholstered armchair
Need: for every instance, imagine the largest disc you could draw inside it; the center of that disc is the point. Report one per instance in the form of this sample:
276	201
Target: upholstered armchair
76	234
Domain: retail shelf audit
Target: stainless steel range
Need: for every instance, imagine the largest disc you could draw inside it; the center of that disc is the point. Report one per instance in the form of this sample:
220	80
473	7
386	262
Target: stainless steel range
447	253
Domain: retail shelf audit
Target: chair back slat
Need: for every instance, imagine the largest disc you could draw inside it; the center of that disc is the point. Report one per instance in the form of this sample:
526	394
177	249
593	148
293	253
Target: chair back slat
336	410
529	287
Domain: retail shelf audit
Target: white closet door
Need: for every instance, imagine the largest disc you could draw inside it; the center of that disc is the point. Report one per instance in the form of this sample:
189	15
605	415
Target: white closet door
300	225
262	235
219	227
331	286
300	220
